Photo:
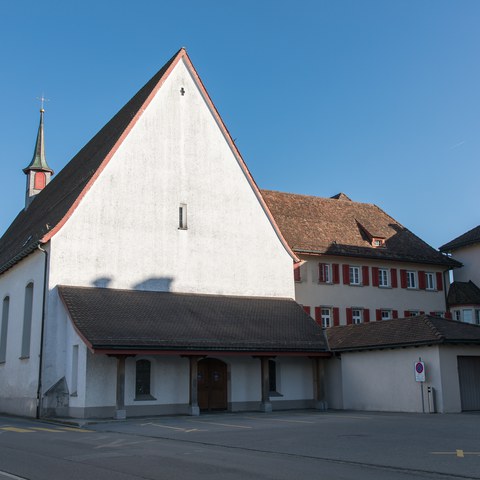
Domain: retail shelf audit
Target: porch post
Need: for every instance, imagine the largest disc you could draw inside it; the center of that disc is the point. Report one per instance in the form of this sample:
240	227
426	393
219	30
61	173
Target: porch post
120	412
320	401
194	409
266	405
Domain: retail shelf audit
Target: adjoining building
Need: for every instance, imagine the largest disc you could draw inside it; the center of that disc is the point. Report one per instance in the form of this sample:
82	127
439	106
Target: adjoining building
464	293
358	264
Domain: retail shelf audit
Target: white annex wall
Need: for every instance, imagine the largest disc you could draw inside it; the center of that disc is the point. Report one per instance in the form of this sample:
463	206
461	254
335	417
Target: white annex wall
384	380
19	376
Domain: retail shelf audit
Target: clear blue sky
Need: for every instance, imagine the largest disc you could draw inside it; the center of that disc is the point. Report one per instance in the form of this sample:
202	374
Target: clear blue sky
379	99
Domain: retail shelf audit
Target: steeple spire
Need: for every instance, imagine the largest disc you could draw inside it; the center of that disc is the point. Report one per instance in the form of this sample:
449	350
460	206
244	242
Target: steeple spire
38	172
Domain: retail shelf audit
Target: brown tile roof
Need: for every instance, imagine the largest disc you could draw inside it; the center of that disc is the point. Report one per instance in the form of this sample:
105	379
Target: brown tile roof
469	238
337	226
127	320
463	293
402	332
52	204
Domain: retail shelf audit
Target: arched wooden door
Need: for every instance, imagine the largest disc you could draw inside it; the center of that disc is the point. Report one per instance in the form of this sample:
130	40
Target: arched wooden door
212	384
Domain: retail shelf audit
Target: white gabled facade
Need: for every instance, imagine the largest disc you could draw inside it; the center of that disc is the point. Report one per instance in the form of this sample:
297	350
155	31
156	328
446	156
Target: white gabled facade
172	208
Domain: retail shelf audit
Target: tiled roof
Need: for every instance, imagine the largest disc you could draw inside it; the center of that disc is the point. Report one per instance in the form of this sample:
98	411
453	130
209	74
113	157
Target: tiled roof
52	204
463	293
468	238
402	332
110	319
339	226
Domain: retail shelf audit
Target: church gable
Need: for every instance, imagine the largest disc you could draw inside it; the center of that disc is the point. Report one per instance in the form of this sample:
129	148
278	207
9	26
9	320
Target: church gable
175	207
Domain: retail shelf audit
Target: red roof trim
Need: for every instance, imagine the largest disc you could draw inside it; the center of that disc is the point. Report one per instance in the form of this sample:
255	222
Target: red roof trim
101	351
108	157
182	54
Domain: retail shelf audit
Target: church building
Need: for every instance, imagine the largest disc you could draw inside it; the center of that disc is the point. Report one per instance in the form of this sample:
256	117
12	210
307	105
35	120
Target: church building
149	277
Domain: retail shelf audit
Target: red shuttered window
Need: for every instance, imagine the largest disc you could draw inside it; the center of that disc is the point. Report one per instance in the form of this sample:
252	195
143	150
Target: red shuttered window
395	313
378	314
306	308
365	276
439	281
346	274
393	277
375	276
403	278
296	273
422	284
336	273
366	315
336	316
349	316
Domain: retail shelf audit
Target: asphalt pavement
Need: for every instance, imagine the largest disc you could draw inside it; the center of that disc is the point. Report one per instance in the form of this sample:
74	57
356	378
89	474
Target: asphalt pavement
277	445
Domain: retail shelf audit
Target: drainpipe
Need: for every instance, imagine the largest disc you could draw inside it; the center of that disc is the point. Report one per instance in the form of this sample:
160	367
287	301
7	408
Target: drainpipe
40	363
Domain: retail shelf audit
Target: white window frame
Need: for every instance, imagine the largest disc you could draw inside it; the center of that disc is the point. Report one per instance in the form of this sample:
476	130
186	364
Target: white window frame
355	275
386	314
457	315
357	315
412	281
326	314
430	281
470	312
383	277
477	316
414	313
327	273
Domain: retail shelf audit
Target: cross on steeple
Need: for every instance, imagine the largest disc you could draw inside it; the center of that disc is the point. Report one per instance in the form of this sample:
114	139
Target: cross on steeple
42	102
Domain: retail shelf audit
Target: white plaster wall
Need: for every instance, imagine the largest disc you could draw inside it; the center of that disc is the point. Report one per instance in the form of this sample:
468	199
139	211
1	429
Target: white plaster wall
77	400
451	402
245	382
101	384
384	380
19	377
470	257
333	382
125	231
169	380
311	293
294	378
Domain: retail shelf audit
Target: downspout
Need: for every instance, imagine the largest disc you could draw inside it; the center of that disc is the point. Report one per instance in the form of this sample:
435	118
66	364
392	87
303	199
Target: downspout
40	363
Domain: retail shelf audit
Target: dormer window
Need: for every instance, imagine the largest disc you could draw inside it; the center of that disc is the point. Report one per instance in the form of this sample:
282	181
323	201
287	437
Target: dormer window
378	242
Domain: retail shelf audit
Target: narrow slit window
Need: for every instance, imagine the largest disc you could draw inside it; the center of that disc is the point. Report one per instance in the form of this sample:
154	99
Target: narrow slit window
27	321
4	330
74	386
182	216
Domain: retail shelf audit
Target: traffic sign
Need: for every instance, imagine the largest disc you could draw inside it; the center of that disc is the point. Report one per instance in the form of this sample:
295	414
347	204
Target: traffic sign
419	371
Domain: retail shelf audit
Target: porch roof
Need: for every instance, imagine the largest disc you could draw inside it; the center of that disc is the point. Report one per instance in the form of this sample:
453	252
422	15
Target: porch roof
123	321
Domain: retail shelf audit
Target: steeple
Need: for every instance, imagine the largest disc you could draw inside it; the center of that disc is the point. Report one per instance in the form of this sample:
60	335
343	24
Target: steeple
38	172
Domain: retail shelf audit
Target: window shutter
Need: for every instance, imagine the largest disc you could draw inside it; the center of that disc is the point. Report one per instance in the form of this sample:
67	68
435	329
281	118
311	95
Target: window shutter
346	274
422	313
378	314
439	281
393	277
406	313
395	313
403	278
448	315
320	273
422	283
433	314
375	280
349	316
336	316
365	276
318	315
296	272
306	308
335	273
366	315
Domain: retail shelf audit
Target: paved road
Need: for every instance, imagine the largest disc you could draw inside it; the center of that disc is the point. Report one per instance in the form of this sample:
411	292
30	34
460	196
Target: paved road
280	445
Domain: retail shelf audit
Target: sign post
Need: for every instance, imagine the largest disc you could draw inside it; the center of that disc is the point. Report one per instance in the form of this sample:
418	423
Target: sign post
420	377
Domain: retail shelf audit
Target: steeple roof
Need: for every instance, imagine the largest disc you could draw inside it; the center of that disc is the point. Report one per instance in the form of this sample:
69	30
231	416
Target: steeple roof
39	161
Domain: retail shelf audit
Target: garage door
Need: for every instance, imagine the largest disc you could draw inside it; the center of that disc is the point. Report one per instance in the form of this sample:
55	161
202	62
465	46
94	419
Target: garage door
469	377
